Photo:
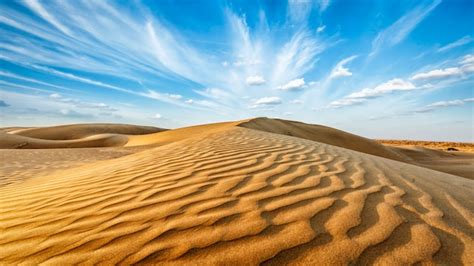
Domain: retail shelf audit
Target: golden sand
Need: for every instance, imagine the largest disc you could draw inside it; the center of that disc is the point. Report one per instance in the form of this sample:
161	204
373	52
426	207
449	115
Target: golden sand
226	194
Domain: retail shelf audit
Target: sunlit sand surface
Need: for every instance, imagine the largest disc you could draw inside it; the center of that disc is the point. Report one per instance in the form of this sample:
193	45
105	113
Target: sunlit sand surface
247	192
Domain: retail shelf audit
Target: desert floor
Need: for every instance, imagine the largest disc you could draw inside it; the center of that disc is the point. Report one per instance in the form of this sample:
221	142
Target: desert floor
247	192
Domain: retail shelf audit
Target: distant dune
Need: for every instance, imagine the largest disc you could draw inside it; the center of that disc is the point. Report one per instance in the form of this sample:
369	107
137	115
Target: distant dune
322	134
440	145
71	136
259	191
78	131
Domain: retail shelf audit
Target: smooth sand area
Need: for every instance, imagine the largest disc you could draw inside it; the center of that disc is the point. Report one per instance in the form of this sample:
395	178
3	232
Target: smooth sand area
247	192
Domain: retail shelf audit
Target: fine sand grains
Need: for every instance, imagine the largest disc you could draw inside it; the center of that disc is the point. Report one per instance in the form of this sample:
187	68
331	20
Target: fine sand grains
240	196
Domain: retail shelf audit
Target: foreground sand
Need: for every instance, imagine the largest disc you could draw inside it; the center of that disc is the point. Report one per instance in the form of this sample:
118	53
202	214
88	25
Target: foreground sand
223	194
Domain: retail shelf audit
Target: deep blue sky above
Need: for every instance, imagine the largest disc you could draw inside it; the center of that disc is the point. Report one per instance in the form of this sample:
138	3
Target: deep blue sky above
381	69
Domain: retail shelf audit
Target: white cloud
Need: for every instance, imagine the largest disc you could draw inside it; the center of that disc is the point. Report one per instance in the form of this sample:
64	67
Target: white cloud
11	75
447	103
438	73
444	104
321	28
468	59
36	7
75	103
399	30
340	70
81	79
463	41
268	101
107	39
296	84
296	57
380	90
384	88
158	116
255	80
346	102
16	85
164	97
189	101
466	67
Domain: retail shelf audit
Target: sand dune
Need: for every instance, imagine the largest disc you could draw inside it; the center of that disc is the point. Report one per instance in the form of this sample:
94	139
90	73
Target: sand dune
71	136
12	141
78	131
322	134
234	195
456	163
166	137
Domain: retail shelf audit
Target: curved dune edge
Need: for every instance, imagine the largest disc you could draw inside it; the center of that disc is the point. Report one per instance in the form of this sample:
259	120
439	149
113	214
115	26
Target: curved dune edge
80	131
12	141
170	136
72	136
240	196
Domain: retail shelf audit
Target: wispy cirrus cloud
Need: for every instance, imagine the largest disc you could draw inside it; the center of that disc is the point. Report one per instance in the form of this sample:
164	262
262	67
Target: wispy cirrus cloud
36	7
18	77
460	42
399	30
106	38
444	104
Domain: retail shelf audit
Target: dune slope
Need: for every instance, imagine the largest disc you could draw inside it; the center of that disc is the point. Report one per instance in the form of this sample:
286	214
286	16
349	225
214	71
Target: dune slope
12	141
78	131
240	196
322	134
456	163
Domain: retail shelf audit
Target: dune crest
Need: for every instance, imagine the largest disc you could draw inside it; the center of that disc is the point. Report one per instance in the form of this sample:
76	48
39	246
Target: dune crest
237	195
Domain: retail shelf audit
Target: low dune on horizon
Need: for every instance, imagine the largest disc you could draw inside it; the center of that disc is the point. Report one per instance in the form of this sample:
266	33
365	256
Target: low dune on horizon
256	191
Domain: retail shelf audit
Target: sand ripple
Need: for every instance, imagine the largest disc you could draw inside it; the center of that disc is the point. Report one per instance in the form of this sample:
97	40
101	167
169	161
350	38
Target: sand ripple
240	196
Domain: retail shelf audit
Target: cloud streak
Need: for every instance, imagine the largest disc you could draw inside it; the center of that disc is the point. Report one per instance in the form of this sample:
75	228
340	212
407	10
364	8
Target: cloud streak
369	93
399	30
463	41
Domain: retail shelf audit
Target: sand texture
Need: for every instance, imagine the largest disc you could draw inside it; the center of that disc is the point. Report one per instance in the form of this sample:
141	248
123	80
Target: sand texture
71	136
225	194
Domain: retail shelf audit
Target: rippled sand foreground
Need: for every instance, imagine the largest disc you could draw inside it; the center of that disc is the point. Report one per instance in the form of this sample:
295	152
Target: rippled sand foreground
240	196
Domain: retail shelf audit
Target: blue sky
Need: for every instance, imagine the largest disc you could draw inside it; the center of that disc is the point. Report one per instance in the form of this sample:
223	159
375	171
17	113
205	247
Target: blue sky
381	69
